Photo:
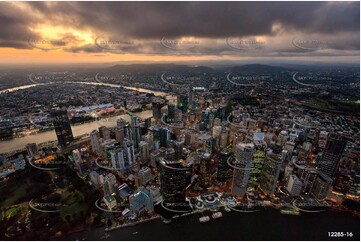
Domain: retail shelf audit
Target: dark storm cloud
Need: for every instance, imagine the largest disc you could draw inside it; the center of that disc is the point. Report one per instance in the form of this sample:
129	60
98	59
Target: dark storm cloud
15	23
147	23
205	19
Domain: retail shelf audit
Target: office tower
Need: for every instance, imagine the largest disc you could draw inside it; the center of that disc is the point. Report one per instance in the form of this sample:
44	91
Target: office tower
332	155
171	113
354	189
258	160
94	142
94	178
164	137
205	116
188	138
183	103
224	138
145	175
177	146
32	149
144	150
129	151
308	176
242	167
282	138
109	184
141	200
205	169
62	127
209	145
173	181
154	158
294	186
157	110
120	131
222	166
117	158
119	135
156	133
104	133
321	185
322	139
169	154
270	173
77	158
137	137
108	149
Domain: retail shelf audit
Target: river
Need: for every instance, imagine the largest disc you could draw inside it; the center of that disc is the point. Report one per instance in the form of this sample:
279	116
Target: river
19	143
267	224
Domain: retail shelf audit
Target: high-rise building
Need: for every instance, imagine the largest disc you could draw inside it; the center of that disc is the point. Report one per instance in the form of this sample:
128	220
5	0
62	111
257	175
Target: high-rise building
94	178
144	150
94	142
141	200
294	186
117	158
259	157
223	142
183	103
222	166
171	113
157	110
242	167
308	176
205	169
321	185
129	149
270	173
145	175
332	155
164	137
173	178
104	133
77	158
62	127
209	145
109	184
32	149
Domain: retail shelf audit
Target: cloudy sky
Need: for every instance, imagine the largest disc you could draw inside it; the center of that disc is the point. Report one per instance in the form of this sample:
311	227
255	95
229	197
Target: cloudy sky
46	32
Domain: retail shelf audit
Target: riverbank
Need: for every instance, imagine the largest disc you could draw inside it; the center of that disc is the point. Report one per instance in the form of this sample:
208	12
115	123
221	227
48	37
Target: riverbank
132	223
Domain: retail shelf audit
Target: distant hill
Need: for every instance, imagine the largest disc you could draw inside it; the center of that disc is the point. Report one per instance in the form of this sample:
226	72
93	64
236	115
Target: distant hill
254	68
157	68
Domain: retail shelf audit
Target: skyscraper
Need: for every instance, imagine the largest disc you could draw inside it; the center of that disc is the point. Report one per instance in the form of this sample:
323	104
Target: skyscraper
205	169
62	127
157	113
270	173
173	181
222	166
242	167
259	157
332	154
129	149
171	113
117	158
294	186
109	184
94	142
321	185
104	133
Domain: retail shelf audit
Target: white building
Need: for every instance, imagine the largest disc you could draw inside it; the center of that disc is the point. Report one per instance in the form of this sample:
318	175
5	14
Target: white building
294	186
